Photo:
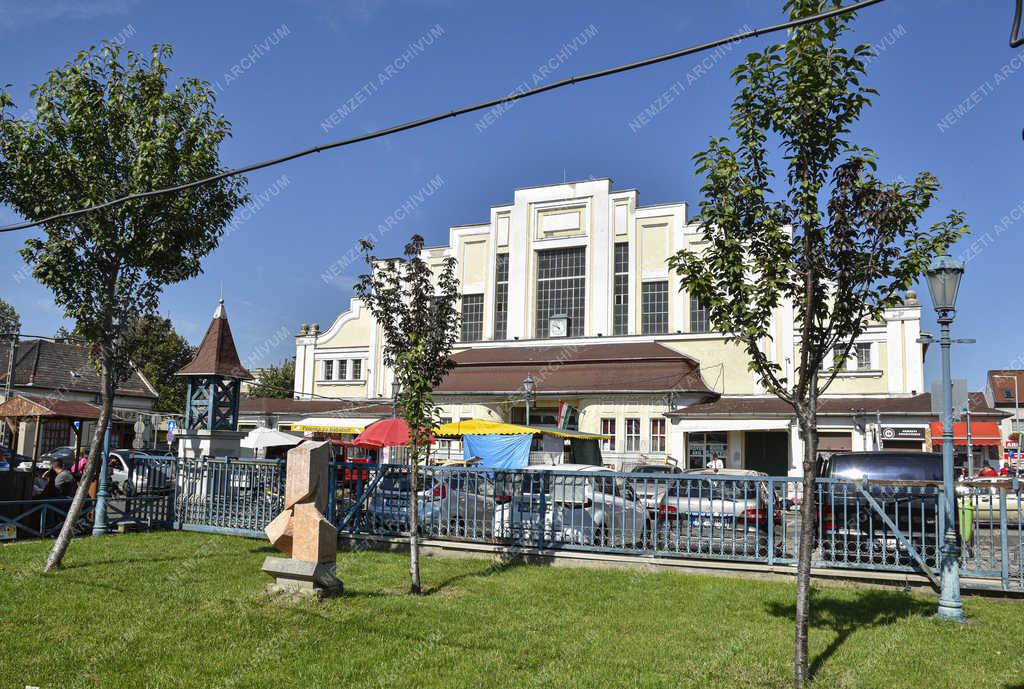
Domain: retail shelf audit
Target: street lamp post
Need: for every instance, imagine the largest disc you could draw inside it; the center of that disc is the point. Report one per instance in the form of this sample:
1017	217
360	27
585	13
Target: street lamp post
944	283
99	524
396	388
529	388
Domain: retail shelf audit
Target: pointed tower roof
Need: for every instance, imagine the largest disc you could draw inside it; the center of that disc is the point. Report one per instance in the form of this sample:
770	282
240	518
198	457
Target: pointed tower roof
217	355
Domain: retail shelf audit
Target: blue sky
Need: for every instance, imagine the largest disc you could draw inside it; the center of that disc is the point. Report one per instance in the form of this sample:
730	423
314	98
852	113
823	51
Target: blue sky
950	102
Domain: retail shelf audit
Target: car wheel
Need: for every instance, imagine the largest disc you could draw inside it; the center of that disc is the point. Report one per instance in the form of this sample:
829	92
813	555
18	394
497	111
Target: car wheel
128	489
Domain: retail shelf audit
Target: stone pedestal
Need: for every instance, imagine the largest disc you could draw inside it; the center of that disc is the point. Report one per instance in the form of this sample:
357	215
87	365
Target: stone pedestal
302	578
204	443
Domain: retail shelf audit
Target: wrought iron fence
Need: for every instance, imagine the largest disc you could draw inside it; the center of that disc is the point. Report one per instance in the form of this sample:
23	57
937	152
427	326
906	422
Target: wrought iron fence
893	526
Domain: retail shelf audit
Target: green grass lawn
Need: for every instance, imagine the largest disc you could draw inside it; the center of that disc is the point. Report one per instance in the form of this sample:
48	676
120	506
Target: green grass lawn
188	610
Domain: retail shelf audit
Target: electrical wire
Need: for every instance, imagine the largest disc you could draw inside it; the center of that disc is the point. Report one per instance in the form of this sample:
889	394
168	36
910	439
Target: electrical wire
1016	40
414	124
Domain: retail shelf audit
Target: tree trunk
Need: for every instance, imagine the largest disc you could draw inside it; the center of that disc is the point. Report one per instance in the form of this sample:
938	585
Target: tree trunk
414	546
60	546
808	527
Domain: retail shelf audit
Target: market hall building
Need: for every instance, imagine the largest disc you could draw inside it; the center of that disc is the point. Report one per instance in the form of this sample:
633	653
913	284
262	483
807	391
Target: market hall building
568	285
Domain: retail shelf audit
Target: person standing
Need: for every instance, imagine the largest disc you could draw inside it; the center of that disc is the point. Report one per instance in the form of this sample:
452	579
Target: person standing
63	480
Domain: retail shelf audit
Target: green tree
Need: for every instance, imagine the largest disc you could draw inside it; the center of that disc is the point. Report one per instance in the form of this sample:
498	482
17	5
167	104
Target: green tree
105	125
275	381
836	243
416	310
10	321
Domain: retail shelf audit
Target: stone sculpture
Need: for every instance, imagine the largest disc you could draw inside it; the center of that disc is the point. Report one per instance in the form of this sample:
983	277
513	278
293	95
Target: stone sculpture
301	531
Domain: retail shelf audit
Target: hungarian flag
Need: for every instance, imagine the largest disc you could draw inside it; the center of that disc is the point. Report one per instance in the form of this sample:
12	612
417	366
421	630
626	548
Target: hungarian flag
564	412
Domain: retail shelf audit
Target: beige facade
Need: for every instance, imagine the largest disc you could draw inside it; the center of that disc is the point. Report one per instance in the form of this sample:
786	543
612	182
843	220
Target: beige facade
584	264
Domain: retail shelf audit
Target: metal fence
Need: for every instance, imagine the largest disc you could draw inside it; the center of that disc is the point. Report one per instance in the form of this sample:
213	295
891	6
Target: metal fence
894	526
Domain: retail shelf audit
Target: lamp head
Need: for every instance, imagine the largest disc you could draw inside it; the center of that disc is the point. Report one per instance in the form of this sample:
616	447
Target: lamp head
529	386
944	276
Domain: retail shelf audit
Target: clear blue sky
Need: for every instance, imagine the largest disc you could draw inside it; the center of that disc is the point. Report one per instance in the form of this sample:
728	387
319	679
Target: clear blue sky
936	54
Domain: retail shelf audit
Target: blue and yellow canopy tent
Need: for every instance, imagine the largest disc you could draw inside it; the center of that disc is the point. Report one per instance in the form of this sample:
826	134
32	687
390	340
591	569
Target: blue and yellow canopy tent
507	446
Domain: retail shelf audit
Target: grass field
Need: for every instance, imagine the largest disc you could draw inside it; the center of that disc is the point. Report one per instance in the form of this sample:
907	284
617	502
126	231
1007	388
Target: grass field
188	610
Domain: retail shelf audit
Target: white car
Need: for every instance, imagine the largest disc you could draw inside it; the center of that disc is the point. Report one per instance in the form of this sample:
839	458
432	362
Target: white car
576	504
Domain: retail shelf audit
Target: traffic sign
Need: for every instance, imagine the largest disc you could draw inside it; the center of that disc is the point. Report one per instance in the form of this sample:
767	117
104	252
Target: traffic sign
172	425
137	443
139	427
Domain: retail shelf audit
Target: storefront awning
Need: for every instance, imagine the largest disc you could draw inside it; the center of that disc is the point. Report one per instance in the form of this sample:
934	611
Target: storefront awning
328	424
480	427
982	433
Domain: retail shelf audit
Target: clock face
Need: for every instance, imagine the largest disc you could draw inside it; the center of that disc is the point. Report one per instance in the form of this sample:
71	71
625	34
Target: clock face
558	327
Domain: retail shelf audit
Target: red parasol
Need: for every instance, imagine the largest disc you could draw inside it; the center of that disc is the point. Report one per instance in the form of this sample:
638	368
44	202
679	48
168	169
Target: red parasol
384	433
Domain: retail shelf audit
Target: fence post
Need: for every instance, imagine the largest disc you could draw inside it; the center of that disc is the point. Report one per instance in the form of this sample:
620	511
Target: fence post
1004	550
771	521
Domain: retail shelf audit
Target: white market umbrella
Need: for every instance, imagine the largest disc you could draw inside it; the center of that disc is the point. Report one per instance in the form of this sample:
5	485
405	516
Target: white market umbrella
262	438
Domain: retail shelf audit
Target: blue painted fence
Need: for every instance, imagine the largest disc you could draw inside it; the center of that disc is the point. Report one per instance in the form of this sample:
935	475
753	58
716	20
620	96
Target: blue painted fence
893	526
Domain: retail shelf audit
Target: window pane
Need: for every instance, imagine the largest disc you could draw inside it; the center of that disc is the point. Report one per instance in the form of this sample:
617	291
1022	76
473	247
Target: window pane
501	298
608	428
357	369
561	284
863	350
342	369
620	313
654	310
632	435
657	435
328	370
698	317
472	317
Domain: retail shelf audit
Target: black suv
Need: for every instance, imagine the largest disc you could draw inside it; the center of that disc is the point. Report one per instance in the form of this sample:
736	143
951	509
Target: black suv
851	530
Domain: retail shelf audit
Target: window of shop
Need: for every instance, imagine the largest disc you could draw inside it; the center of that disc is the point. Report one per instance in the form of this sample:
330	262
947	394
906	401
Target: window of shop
703	447
328	369
654	313
561	287
657	435
632	435
501	297
357	369
342	369
472	317
608	428
621	298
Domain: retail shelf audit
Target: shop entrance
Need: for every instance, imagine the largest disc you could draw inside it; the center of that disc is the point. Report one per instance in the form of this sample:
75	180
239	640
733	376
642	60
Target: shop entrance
767	451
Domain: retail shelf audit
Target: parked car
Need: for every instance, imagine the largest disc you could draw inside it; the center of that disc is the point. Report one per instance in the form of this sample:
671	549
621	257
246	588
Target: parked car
66	454
660	479
723	512
578	504
460	503
12	460
132	472
851	530
387	509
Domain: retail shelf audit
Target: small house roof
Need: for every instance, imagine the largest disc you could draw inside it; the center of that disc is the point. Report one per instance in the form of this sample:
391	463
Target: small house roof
217	355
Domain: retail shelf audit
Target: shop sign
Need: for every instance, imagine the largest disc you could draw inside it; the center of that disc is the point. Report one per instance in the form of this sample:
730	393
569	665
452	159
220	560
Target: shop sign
902	433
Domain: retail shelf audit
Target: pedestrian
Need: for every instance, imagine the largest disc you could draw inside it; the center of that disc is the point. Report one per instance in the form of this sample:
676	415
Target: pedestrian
63	480
79	469
987	472
716	463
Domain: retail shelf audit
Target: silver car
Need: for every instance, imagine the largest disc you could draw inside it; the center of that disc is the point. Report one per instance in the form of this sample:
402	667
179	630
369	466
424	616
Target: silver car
459	504
573	504
722	512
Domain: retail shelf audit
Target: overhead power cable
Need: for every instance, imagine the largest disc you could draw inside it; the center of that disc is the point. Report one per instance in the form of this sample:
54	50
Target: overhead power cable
414	124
